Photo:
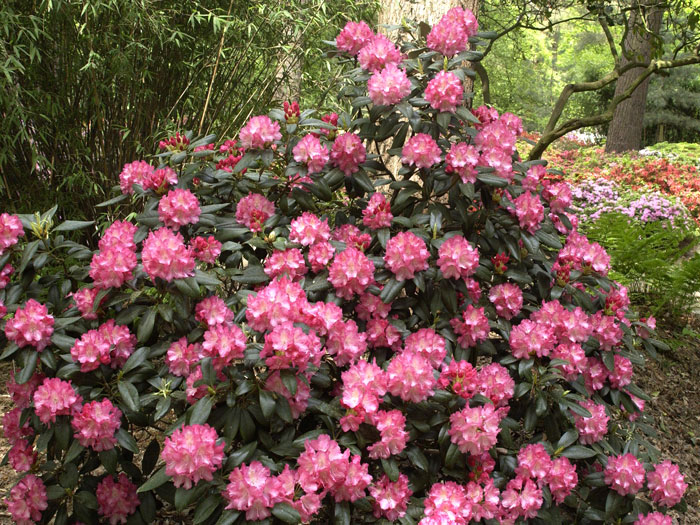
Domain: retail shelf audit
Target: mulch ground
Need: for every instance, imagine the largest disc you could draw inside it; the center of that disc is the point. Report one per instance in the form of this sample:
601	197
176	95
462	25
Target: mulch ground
673	382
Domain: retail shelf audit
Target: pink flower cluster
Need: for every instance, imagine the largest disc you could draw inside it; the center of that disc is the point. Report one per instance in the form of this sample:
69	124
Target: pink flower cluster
666	484
444	92
96	423
462	159
421	151
55	397
178	208
11	230
624	474
377	214
165	256
348	152
110	344
191	454
159	180
259	133
353	37
491	381
378	53
390	497
507	298
350	273
529	211
472	328
311	152
115	261
134	173
205	249
388	86
27	500
308	229
475	429
457	259
253	210
116	501
450	35
31	326
406	254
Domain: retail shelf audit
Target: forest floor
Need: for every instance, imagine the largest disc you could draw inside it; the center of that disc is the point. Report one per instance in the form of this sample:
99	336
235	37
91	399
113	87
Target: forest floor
671	381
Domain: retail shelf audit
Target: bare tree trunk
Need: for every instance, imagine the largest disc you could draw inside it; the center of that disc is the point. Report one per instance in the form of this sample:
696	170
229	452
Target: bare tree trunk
429	11
625	130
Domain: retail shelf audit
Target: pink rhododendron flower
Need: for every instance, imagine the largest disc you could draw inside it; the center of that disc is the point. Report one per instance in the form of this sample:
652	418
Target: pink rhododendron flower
371	306
461	376
447	501
350	273
472	328
27	500
206	249
5	275
382	334
286	262
592	429
85	301
279	302
11	428
96	423
181	357
364	384
534	462
624	474
444	91
288	346
121	341
462	159
377	214
55	397
666	484
388	86
607	330
223	343
195	393
91	350
165	255
118	500
393	436
253	210
521	498
595	373
112	267
421	151
653	518
449	36
558	195
191	454
31	326
494	382
311	152
529	211
212	311
378	53
507	298
309	229
178	208
297	402
530	338
252	489
410	376
320	254
22	394
259	133
159	180
22	456
352	237
475	430
429	344
562	479
575	355
11	229
322	317
390	497
406	254
134	173
622	372
348	152
353	37
457	258
120	234
346	343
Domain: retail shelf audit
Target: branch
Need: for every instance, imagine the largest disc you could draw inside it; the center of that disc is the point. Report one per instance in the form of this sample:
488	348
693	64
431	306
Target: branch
551	135
609	38
485	84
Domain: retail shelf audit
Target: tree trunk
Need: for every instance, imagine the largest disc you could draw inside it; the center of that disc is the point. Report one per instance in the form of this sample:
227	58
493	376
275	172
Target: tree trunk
429	11
625	130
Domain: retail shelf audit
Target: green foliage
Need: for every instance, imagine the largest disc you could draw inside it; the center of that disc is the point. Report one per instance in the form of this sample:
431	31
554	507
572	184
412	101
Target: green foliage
673	107
680	152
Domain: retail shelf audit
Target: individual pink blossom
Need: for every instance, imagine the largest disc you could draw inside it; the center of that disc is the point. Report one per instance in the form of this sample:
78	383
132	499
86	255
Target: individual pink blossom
346	343
259	133
212	311
356	481
348	152
378	53
96	423
421	151
195	393
607	330
119	234
484	501
377	214
352	237
393	436
85	301
224	343
253	210
353	37
530	338
364	384
22	456
558	195
55	397
653	518
410	377
624	474
622	372
472	328
382	334
27	500
576	357
279	302
206	249
388	86
475	430
116	501
181	357
666	484
112	267
288	346
320	254
30	326
595	373
512	122
591	429
507	298
91	351
461	376
309	229
5	273
494	382
429	344
350	273
371	306
191	454
165	255
322	317
534	462
288	262
122	342
406	254
529	211
311	152
450	35
562	479
297	402
390	497
457	258
573	325
462	159
11	230
159	180
251	489
444	91
447	503
134	173
521	498
178	207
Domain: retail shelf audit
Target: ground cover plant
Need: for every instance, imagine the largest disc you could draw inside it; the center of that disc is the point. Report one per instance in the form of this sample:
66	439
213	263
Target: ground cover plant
295	332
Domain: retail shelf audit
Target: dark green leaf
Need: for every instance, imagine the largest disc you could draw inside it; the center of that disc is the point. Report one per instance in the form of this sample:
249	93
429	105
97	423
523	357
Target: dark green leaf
68	226
146	325
286	513
200	411
578	452
155	481
130	395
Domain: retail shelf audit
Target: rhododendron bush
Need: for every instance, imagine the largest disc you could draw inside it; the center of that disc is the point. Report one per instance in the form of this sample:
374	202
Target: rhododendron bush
290	331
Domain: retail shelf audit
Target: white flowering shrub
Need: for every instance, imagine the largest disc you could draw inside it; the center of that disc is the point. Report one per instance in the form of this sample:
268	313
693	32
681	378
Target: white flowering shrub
288	331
